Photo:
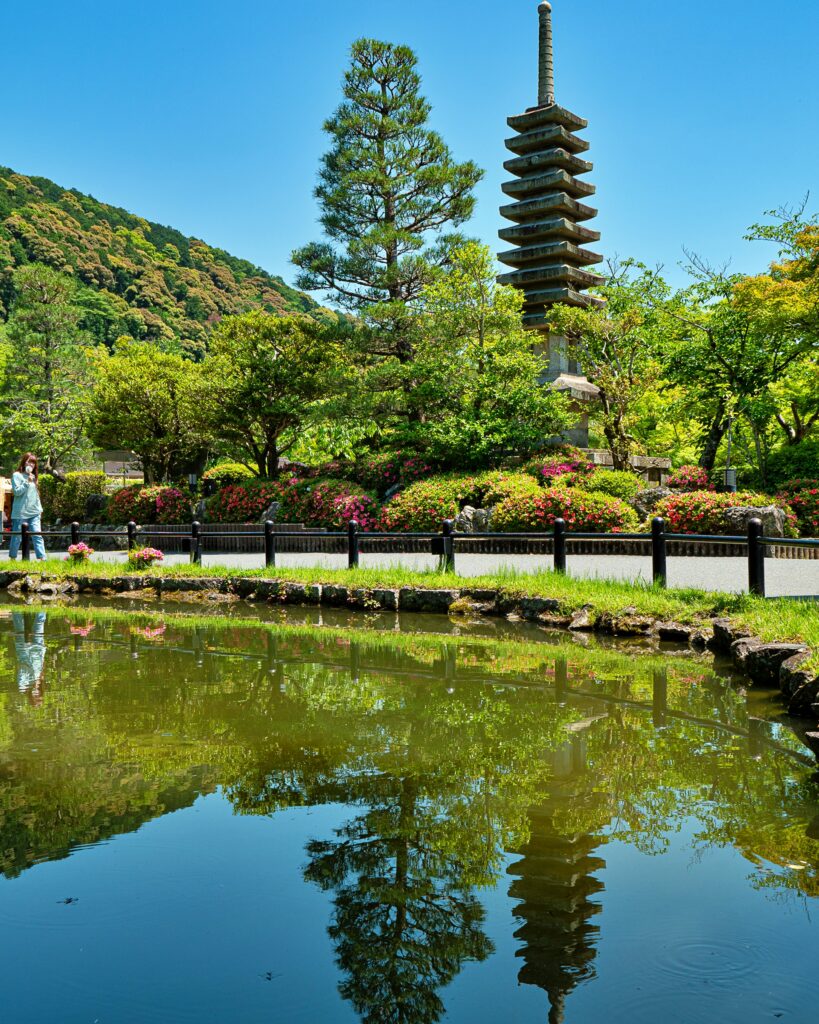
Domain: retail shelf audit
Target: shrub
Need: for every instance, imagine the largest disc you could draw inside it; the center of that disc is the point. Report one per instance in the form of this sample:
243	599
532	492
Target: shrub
703	511
425	504
559	462
79	552
246	502
333	503
793	461
805	504
617	483
690	478
492	488
379	473
582	511
228	473
66	500
149	505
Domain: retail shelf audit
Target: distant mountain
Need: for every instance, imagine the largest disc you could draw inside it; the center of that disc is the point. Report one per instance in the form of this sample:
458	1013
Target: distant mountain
136	277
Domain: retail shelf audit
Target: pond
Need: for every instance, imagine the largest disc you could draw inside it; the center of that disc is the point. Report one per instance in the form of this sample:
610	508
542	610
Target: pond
213	818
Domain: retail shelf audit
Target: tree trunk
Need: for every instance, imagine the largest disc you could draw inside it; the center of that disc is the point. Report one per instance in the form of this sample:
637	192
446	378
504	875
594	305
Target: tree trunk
713	439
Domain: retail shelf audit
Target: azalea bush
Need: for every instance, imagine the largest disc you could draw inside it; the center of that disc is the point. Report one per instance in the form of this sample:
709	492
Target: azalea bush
704	511
803	497
582	511
141	558
617	483
79	552
333	503
489	489
690	478
425	504
559	463
379	473
149	505
246	502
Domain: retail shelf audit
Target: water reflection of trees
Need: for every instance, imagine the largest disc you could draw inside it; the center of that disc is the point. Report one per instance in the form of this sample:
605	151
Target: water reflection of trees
448	754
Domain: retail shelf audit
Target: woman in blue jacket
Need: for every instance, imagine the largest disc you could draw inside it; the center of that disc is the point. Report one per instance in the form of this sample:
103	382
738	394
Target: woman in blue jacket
27	507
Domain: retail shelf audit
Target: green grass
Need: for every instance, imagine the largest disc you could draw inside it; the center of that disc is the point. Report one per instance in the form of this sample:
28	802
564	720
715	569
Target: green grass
770	620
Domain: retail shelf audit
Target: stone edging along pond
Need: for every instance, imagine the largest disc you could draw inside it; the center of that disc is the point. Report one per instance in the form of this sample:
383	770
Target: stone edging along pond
769	664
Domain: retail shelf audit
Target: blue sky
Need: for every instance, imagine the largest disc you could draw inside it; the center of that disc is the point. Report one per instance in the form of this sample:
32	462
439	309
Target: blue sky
206	114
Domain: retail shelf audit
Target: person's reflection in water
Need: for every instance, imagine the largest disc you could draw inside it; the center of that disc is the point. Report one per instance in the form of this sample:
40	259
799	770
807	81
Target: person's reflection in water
30	647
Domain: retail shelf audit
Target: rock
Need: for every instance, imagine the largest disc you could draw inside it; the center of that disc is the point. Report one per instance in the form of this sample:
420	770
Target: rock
302	593
582	619
200	511
386	599
464	522
725	634
392	491
627	623
465	606
674	632
773	520
812	740
333	594
271	512
646	501
433	601
763	663
482	520
741	649
535	607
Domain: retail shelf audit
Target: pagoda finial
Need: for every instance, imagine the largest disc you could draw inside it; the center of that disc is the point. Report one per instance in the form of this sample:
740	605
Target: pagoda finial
546	84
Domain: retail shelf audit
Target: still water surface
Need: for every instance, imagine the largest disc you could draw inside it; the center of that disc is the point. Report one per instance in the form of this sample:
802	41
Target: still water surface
228	821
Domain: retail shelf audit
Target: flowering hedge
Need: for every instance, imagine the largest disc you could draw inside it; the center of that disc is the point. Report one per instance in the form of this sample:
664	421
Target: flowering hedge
333	503
558	463
582	511
425	504
690	478
381	472
245	503
149	505
704	511
805	504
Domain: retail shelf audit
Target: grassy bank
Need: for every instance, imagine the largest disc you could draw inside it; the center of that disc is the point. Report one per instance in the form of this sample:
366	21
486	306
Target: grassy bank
771	620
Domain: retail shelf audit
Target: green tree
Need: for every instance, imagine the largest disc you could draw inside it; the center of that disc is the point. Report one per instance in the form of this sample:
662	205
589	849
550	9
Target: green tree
473	391
618	348
149	402
44	401
387	189
268	377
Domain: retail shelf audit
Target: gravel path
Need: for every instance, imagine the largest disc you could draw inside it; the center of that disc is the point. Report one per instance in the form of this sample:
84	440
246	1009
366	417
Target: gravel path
784	577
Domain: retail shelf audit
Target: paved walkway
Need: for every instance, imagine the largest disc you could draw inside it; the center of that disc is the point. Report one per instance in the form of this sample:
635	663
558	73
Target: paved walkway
784	577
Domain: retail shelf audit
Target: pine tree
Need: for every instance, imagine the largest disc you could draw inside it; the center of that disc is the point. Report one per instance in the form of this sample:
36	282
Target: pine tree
387	188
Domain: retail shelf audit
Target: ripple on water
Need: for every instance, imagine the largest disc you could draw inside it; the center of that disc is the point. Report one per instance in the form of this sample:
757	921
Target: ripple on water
716	961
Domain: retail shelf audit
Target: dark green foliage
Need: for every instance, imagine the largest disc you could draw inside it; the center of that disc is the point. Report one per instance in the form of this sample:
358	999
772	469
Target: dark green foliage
67	500
794	461
137	278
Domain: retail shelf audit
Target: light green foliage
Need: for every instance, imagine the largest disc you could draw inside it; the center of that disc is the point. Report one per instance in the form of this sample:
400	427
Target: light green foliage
66	500
228	473
151	403
266	378
44	399
616	483
618	347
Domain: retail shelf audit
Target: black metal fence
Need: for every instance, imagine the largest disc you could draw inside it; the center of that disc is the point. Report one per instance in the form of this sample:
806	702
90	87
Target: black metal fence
446	543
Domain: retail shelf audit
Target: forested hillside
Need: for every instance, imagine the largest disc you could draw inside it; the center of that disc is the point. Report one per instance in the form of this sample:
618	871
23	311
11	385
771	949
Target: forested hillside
136	277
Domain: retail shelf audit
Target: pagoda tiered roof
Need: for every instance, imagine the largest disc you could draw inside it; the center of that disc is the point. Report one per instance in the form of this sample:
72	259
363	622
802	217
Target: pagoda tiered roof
550	263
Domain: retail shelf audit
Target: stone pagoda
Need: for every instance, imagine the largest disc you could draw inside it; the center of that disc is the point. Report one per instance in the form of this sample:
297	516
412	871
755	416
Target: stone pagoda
548	214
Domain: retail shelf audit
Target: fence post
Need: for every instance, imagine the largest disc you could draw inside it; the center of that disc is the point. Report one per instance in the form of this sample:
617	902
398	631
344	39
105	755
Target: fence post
196	543
25	542
756	558
659	567
269	544
75	533
352	544
560	545
132	528
448	558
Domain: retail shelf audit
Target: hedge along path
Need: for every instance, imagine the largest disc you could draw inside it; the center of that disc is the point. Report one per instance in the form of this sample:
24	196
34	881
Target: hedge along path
775	643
